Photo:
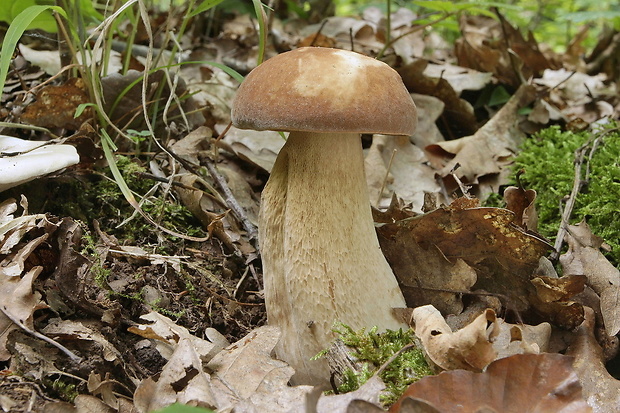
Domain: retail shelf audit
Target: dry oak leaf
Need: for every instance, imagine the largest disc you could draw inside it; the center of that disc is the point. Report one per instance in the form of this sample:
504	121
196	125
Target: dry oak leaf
521	202
469	348
56	106
182	380
585	258
458	113
490	149
167	335
601	389
524	383
521	339
502	254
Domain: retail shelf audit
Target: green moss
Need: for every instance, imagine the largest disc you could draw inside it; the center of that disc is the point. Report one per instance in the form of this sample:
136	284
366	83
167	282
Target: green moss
373	350
548	161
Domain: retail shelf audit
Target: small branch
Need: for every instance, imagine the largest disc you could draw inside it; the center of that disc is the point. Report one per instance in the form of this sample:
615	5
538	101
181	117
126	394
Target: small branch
38	335
232	203
580	158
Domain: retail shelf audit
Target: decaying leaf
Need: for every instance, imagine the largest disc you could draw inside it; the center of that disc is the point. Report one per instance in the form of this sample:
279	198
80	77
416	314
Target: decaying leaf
458	112
167	334
486	239
75	330
470	348
411	177
182	380
521	339
259	148
488	152
552	299
521	202
521	384
495	46
585	258
56	106
19	301
601	389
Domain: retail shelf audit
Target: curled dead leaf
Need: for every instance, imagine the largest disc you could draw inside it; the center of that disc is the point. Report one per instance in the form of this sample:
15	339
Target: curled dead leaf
469	348
520	384
584	257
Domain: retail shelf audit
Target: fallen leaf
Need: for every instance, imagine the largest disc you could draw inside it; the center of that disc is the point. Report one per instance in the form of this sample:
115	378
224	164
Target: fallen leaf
521	339
458	113
489	150
601	389
19	301
521	384
257	147
585	258
521	202
411	177
56	106
182	380
469	348
493	45
167	335
503	256
75	330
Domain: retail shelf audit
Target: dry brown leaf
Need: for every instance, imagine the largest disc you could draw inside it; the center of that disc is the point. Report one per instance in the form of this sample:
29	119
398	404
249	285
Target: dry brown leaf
469	348
167	335
75	330
552	299
490	149
182	380
585	258
521	202
495	46
458	113
257	147
522	383
410	175
56	106
19	301
521	339
486	239
429	110
601	389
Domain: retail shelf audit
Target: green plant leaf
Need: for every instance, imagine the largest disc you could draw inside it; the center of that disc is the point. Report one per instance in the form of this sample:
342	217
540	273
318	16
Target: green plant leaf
262	29
17	27
204	6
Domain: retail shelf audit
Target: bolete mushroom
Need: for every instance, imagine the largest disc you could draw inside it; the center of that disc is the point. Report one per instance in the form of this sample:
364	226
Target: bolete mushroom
321	257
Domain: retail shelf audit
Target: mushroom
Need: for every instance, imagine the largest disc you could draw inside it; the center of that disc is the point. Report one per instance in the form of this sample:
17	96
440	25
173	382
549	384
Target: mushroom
321	258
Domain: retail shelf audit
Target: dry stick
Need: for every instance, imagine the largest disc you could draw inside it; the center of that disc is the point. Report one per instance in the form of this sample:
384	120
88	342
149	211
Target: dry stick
38	335
580	155
230	200
387	175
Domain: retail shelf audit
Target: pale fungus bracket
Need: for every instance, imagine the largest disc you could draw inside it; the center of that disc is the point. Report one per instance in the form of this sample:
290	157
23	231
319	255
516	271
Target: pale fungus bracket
321	259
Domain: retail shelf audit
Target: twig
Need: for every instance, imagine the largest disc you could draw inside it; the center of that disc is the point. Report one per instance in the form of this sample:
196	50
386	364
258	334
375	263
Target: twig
387	175
588	149
232	203
394	357
38	335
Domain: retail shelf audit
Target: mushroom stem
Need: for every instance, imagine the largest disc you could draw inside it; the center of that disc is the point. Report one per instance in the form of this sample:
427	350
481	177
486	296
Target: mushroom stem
321	258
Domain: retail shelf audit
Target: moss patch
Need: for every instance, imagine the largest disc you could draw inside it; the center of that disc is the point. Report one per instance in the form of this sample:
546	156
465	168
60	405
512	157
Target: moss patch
373	350
548	161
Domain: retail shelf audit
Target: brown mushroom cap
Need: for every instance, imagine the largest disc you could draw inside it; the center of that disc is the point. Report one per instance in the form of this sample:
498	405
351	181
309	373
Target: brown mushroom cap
315	89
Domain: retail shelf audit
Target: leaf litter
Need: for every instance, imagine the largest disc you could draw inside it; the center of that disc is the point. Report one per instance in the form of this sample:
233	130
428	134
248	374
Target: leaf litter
151	327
